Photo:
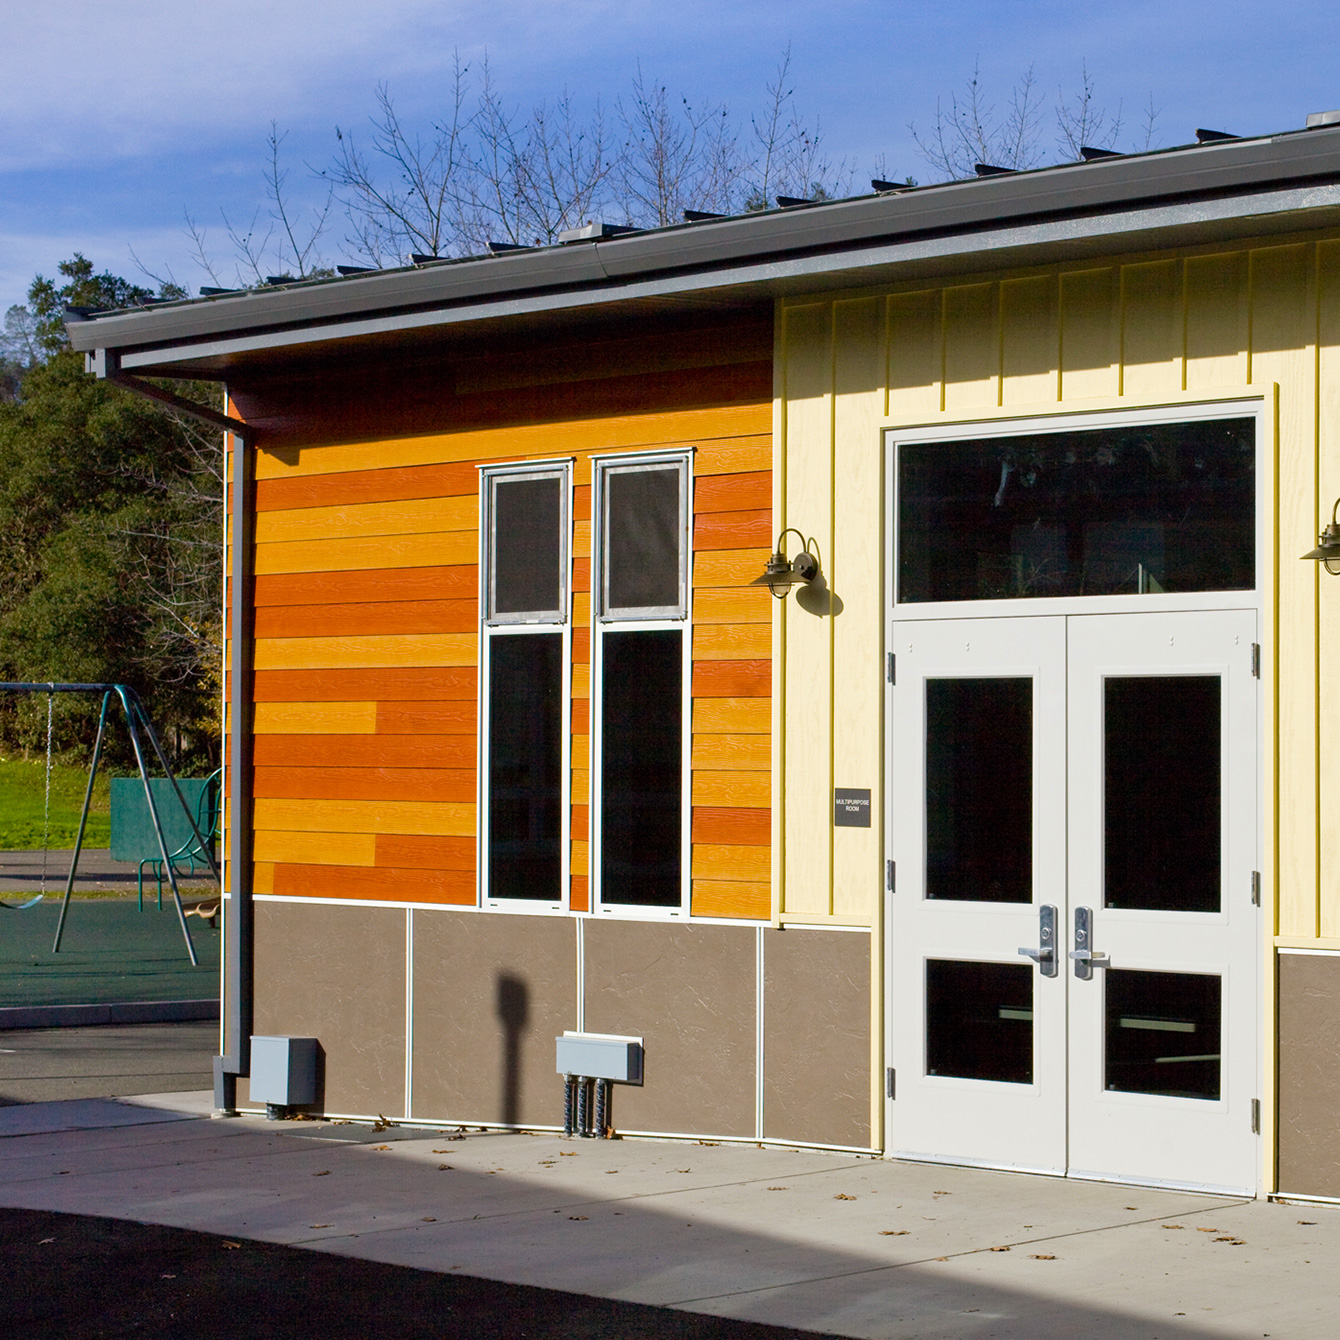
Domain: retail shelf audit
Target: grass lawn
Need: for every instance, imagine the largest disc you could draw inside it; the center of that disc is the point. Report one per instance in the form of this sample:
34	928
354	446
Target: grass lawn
22	784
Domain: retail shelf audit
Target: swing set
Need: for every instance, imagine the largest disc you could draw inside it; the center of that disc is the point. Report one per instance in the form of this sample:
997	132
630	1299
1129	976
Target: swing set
139	728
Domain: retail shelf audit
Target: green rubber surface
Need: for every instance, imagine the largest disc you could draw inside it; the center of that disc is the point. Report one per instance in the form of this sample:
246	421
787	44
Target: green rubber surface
110	953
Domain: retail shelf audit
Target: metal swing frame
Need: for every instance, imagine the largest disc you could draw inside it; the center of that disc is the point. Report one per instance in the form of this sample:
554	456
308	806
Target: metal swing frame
137	721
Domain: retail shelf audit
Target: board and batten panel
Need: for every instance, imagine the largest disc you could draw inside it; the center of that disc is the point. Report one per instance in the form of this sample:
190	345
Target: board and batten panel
858	399
807	494
1139	331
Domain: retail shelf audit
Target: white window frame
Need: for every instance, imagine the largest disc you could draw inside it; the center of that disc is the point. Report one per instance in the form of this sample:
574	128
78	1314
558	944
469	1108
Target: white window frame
526	625
1255	406
489	476
641	620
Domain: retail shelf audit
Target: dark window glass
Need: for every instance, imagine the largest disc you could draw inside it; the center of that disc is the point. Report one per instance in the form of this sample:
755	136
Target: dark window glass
525	766
979	790
527	547
1163	1033
1162	793
643	539
642	768
1099	511
979	1020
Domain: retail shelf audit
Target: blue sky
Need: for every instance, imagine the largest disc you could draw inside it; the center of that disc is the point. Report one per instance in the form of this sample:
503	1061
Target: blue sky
120	118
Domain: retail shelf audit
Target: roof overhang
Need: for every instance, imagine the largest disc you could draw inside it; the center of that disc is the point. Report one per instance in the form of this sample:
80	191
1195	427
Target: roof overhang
1185	196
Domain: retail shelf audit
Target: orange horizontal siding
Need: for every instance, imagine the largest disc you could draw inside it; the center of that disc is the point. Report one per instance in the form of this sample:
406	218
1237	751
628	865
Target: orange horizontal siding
457	582
352	881
581	502
732	827
364	751
383	616
408	784
732	530
715	898
732	679
361	486
581	716
405	852
581	644
354	685
581	822
581	574
580	899
733	493
432	718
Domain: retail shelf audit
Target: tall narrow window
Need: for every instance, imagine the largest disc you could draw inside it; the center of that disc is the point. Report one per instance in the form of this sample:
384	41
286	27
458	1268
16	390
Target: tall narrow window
642	585
523	654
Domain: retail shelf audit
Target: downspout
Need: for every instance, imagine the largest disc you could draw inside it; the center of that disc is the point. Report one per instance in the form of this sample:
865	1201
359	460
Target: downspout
238	984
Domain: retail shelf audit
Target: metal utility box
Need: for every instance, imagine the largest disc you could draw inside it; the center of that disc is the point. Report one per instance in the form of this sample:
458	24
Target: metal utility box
283	1071
600	1056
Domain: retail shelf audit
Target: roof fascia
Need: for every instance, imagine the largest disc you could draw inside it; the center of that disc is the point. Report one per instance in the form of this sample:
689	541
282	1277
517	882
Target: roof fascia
870	264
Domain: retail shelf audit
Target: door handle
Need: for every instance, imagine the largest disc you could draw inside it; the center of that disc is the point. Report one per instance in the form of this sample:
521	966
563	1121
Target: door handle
1084	957
1045	954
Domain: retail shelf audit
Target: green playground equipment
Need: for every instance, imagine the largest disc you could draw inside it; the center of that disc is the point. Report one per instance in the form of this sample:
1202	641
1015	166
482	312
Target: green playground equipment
191	858
139	728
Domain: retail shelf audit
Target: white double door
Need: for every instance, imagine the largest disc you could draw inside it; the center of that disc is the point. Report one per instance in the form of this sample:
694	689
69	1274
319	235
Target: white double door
1061	787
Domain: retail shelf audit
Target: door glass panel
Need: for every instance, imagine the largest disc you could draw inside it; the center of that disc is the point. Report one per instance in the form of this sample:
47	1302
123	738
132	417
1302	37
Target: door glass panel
1163	1033
1162	829
979	1020
1083	512
979	790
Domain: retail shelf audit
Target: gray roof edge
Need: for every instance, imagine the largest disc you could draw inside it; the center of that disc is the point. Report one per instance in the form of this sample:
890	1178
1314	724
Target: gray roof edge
826	268
1224	170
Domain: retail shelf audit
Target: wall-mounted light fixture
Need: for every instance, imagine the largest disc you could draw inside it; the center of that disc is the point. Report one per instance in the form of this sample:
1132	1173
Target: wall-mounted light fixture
1328	544
780	573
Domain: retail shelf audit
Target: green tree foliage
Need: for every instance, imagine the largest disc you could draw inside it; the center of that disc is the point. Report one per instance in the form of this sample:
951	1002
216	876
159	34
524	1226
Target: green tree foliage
110	510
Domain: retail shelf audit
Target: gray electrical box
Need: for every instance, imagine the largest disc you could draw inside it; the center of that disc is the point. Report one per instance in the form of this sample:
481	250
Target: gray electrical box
283	1071
600	1056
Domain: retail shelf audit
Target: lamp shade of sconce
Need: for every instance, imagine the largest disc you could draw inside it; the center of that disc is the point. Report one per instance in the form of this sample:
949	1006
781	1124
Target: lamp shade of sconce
780	573
1328	545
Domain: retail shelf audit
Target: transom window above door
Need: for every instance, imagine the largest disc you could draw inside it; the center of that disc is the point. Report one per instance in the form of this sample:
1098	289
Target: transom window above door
1059	509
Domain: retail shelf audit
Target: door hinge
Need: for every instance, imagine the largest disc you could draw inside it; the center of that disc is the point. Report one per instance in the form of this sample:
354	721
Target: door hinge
890	668
1256	1116
890	1083
890	875
1256	660
1256	888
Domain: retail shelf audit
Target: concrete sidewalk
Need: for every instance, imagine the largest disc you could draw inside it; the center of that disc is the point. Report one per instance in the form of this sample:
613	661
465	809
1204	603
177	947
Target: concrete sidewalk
834	1243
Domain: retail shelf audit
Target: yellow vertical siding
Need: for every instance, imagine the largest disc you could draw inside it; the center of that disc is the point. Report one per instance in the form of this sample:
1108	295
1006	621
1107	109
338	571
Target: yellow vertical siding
1152	329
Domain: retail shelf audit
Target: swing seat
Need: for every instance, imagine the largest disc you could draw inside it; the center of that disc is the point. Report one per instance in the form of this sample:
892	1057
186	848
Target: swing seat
19	907
190	857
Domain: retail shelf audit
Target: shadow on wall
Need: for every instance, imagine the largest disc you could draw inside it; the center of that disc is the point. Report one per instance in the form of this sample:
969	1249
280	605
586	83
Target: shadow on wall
512	1005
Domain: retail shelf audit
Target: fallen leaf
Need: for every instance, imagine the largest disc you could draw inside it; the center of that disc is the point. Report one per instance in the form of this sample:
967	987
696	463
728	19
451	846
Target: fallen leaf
167	1277
942	1193
1132	1207
567	1153
942	1258
610	1170
579	1217
44	1241
1000	1249
711	1144
1308	1222
428	1219
443	1151
231	1245
684	1170
315	1226
324	1173
1207	1230
1042	1256
444	1167
64	1172
842	1195
1174	1225
376	1147
894	1232
777	1188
